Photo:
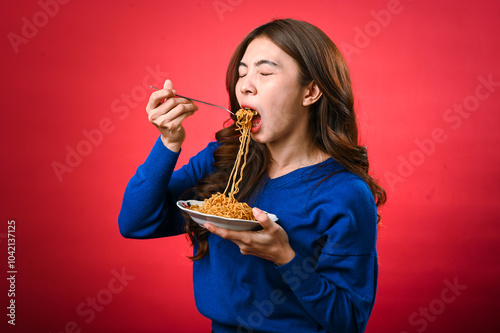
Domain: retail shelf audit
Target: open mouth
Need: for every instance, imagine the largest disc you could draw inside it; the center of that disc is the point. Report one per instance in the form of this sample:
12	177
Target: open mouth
256	120
254	112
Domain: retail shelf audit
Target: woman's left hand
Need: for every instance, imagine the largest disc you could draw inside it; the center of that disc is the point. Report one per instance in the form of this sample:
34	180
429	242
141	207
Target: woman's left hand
270	243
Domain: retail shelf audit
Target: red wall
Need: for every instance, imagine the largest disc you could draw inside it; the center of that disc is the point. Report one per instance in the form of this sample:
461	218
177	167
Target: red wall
74	129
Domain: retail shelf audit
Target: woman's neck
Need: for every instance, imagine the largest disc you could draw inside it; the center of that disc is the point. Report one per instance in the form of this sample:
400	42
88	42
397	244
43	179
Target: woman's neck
291	157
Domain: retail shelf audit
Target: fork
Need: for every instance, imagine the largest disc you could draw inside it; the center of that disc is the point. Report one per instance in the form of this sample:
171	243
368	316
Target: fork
195	100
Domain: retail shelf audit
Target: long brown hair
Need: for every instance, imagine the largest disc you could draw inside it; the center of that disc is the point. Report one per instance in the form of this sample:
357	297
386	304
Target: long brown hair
332	124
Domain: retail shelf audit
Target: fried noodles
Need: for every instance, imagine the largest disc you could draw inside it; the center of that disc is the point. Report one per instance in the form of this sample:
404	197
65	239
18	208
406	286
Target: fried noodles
224	204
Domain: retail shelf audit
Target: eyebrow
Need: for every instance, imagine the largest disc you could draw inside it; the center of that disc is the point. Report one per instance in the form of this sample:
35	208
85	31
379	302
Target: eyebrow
259	63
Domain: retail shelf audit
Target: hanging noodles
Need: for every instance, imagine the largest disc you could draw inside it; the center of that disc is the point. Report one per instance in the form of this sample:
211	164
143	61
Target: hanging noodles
224	205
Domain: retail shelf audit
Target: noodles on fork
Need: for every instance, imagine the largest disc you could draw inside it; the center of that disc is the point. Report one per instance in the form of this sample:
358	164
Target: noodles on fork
225	204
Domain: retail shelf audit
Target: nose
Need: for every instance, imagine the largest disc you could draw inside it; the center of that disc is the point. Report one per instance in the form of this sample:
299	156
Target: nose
247	86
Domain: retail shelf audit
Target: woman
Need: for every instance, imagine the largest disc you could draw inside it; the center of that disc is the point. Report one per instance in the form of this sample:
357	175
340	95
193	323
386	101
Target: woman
315	269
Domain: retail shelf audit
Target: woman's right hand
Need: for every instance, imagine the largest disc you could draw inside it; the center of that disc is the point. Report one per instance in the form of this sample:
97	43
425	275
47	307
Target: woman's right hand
167	113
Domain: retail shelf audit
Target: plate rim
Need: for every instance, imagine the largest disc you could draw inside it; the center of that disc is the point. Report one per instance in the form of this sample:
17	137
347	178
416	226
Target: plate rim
273	217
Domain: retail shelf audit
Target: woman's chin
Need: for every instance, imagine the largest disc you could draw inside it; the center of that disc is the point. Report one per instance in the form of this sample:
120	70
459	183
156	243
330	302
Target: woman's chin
257	137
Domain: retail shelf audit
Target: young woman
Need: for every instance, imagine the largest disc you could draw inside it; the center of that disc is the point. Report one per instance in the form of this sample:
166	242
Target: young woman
315	269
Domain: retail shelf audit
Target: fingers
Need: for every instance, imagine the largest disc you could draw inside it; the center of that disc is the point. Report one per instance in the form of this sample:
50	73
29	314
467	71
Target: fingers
263	218
173	109
224	233
158	96
168	85
241	238
270	243
166	111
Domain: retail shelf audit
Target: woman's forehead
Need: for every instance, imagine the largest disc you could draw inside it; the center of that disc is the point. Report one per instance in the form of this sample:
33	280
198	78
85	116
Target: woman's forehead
263	51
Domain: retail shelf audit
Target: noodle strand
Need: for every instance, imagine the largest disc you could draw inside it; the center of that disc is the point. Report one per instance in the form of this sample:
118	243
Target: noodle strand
224	204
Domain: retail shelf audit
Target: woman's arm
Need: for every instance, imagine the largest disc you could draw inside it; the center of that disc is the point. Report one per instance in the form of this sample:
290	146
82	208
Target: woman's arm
149	204
336	282
337	291
148	208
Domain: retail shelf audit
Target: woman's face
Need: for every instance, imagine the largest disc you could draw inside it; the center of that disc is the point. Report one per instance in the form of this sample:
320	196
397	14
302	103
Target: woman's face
269	83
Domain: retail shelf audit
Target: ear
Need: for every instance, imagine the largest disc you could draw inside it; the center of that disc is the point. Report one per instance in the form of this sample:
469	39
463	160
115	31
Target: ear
312	94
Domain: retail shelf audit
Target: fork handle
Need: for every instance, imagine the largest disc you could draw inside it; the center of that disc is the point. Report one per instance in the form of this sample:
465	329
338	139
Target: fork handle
196	100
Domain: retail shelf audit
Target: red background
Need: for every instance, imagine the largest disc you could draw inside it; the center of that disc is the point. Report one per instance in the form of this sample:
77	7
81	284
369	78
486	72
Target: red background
69	75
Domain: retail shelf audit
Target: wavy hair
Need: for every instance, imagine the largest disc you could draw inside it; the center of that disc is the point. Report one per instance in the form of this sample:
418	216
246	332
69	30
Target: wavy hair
332	120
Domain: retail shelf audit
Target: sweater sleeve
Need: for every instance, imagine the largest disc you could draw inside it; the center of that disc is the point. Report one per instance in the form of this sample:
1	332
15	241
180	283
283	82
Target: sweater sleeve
149	204
337	284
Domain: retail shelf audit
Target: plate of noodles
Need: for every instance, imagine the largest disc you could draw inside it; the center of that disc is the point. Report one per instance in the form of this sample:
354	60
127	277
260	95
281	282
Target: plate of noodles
222	209
219	221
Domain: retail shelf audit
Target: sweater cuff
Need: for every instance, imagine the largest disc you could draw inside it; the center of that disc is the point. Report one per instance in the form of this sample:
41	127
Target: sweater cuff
160	163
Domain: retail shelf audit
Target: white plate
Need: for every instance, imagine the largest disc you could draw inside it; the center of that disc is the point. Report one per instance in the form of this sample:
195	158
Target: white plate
222	222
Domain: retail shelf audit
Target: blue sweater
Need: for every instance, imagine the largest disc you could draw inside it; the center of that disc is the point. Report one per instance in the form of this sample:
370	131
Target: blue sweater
329	286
